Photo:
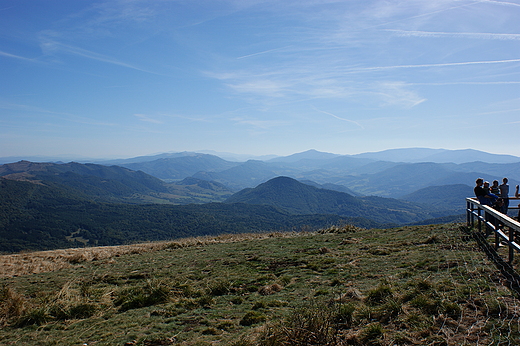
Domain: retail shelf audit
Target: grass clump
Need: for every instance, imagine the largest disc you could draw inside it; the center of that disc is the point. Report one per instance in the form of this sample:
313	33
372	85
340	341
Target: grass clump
141	296
252	317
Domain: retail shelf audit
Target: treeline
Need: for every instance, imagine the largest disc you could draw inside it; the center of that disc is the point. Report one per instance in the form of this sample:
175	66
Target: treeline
40	217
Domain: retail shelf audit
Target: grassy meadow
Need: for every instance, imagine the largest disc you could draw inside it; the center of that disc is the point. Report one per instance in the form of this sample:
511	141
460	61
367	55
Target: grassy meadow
417	285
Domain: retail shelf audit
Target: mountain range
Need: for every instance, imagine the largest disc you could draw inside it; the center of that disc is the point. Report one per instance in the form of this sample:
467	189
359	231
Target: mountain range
47	204
361	174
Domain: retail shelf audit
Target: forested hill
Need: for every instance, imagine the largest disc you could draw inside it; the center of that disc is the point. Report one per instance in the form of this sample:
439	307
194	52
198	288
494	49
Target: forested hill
38	217
296	197
115	183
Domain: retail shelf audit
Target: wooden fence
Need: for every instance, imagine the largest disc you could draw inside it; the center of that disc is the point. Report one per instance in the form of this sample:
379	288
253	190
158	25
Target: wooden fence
491	221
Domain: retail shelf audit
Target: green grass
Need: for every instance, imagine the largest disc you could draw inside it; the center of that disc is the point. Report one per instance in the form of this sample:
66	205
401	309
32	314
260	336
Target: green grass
341	286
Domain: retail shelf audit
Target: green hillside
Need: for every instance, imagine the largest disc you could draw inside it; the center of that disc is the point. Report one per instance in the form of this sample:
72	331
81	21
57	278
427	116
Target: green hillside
295	197
428	285
39	217
114	183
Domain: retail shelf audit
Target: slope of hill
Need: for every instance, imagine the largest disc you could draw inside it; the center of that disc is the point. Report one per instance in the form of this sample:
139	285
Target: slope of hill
425	285
115	183
36	217
296	197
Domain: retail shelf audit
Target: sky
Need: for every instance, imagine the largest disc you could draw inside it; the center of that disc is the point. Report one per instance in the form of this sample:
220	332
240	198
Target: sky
124	78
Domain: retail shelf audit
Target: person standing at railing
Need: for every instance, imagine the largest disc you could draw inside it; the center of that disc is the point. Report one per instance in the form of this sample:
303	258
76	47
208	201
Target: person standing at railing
504	194
483	195
495	188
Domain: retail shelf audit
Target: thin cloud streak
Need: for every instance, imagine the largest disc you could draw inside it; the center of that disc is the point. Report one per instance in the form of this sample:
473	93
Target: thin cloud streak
465	63
339	118
15	56
53	46
263	52
144	117
476	35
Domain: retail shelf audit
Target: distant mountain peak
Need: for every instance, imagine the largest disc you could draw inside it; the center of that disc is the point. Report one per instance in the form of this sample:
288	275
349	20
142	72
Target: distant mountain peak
311	154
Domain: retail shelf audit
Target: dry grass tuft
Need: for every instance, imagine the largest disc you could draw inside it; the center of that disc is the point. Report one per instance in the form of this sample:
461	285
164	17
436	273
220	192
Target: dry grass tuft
270	289
12	305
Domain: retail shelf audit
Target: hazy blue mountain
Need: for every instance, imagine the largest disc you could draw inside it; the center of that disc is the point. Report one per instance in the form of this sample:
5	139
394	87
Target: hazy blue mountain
469	155
177	168
400	154
448	197
396	181
496	170
306	155
328	186
247	174
296	197
146	158
437	156
238	157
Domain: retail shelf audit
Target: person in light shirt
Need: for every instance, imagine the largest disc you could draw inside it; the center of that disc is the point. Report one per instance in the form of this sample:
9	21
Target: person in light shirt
504	194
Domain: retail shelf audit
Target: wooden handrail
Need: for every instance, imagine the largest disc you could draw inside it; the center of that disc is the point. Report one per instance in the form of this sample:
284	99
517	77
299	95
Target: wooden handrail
505	228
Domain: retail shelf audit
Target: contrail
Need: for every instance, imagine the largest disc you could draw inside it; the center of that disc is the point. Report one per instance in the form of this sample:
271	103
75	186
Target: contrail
477	35
264	52
14	56
339	118
432	65
91	55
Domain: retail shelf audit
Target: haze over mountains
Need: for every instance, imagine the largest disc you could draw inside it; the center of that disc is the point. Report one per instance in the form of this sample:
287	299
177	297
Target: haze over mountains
82	201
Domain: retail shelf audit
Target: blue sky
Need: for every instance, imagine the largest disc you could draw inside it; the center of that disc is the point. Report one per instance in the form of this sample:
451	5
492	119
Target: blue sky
130	77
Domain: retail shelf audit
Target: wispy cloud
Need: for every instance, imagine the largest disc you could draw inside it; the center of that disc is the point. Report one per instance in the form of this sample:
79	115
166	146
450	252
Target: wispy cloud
261	124
263	52
52	47
505	3
144	117
398	94
377	68
474	35
15	56
58	115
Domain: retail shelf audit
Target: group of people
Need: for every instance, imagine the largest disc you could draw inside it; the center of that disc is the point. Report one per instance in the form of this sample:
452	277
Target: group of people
496	196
